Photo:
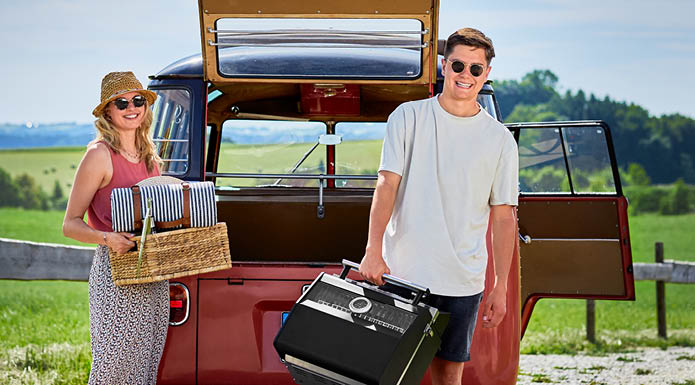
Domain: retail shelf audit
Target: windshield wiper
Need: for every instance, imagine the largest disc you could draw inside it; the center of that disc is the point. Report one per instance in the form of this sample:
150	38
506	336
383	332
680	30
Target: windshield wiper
296	166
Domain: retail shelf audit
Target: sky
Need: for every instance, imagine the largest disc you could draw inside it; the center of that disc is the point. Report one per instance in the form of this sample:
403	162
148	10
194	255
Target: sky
55	53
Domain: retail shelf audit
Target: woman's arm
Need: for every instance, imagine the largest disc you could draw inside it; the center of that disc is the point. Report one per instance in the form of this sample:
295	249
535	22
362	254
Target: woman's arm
93	173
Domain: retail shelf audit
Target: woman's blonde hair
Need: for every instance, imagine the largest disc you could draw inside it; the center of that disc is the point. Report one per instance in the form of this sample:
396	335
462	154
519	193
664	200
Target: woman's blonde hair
143	143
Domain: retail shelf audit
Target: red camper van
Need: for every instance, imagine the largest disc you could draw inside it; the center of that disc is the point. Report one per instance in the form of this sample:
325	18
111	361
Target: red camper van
285	111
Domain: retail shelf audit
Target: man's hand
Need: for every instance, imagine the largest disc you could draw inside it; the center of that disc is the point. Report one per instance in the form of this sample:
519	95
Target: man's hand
495	307
373	268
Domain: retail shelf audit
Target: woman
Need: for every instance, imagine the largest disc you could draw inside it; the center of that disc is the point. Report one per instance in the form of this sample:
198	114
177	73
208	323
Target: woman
127	324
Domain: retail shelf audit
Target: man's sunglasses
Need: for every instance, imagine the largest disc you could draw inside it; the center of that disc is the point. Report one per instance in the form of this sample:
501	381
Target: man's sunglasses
475	69
122	103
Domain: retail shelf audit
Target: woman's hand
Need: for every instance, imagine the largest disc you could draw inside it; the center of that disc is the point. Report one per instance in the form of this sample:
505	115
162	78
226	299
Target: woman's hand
119	242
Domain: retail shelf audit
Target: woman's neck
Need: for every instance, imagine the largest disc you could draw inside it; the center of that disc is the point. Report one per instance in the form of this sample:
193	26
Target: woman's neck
128	141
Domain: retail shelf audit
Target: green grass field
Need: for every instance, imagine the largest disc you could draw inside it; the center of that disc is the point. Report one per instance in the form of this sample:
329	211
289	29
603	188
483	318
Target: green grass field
355	157
44	330
34	225
46	165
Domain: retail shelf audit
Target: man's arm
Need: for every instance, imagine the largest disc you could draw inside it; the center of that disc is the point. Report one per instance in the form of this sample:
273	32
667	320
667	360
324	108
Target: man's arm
503	240
373	266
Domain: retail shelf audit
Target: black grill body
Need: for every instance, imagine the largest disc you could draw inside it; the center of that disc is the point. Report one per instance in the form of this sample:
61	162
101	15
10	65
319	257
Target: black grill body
345	332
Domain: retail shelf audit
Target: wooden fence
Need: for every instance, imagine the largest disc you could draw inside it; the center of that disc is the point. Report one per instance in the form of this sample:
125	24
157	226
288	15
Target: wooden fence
31	260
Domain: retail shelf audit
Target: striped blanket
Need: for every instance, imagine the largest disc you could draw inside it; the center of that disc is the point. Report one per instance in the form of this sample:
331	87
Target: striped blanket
167	205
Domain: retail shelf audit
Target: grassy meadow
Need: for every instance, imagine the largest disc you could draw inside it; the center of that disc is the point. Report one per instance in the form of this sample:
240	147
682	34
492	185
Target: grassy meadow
44	329
34	225
46	165
353	157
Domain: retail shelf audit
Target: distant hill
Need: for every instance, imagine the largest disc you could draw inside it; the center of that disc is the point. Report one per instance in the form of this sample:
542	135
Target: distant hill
73	134
45	135
663	145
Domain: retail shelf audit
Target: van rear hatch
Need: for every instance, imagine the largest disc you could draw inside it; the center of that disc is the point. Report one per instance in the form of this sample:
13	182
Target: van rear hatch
346	30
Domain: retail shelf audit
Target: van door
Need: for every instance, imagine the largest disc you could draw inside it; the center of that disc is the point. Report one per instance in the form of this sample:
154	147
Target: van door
573	228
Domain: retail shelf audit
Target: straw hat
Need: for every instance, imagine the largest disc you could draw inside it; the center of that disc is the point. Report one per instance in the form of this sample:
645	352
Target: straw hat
115	84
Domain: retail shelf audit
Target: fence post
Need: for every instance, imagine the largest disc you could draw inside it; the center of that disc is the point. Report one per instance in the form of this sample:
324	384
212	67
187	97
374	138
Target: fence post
591	320
660	292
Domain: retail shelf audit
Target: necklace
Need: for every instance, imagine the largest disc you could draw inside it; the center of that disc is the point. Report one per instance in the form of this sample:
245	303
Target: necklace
130	155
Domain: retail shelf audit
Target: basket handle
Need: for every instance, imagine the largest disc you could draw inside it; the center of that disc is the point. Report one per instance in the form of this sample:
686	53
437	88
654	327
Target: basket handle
185	221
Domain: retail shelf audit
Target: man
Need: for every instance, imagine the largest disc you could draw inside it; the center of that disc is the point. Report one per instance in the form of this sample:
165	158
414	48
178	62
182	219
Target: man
446	168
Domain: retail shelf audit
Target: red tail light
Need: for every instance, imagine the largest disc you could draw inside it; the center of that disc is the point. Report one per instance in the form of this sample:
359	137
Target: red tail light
178	303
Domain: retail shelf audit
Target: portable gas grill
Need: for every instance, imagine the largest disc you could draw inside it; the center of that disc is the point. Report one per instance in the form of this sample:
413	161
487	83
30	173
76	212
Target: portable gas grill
342	331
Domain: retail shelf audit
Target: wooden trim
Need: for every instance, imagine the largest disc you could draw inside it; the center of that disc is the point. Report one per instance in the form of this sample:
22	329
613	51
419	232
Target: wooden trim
352	7
434	44
428	65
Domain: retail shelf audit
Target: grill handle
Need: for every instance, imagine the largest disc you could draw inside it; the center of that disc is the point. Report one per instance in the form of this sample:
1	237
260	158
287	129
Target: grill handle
419	291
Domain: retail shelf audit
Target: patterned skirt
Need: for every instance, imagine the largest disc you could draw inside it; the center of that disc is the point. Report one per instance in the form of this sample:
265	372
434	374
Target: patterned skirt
128	326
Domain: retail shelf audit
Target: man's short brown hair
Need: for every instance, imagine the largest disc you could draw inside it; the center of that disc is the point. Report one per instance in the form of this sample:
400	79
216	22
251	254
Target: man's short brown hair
472	38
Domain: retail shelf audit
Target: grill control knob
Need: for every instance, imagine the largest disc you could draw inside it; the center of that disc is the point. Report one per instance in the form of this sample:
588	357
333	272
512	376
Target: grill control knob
360	305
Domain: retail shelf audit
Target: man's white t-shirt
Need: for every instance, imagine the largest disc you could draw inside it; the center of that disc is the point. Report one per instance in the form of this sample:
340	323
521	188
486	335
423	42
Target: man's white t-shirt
453	169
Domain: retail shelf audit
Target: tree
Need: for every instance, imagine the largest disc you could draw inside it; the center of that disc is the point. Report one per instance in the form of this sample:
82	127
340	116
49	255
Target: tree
30	194
58	197
536	87
663	145
9	193
681	204
537	113
539	85
688	167
677	201
638	176
57	191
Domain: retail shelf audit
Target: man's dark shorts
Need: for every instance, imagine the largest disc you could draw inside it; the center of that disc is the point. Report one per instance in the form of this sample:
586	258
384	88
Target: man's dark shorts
458	335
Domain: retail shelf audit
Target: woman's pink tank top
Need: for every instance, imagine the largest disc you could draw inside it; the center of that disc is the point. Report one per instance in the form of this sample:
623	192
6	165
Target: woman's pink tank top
125	174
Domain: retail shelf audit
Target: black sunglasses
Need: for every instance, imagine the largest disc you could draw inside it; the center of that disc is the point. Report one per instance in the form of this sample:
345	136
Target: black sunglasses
475	69
122	103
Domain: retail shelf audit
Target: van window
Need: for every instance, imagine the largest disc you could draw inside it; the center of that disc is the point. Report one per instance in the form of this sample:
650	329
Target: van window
348	42
588	159
171	120
258	147
359	153
487	101
565	160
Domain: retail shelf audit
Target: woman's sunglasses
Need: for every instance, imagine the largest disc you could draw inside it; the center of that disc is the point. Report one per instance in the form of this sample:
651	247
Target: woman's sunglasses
122	103
475	69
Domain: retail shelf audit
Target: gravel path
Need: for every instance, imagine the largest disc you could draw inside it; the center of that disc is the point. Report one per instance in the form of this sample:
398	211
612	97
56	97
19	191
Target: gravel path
645	366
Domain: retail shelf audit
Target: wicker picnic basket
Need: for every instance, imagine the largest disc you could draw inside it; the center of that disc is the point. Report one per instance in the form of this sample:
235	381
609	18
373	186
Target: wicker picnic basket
174	253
